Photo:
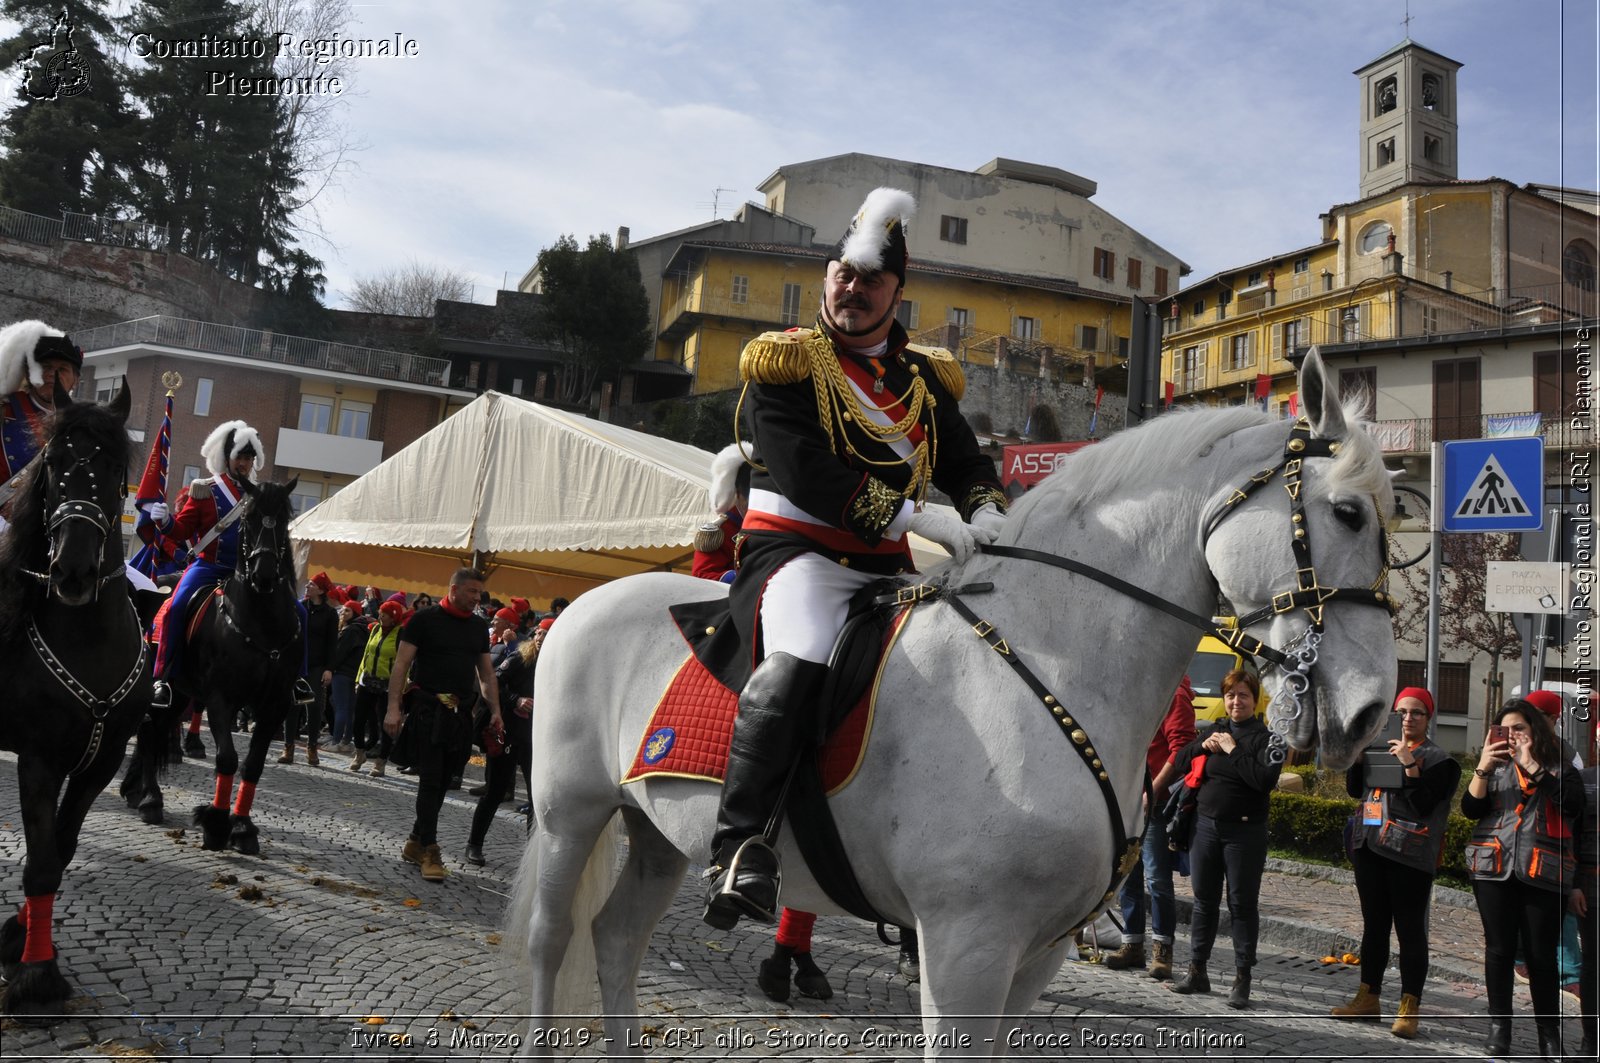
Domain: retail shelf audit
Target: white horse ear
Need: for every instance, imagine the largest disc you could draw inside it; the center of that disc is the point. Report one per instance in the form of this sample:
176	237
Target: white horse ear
1319	400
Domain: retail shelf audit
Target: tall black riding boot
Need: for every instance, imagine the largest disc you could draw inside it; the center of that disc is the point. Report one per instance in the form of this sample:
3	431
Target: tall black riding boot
773	711
1499	1041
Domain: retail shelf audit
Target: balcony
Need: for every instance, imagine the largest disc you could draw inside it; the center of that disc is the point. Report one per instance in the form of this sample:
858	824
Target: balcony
322	452
1416	435
684	313
259	346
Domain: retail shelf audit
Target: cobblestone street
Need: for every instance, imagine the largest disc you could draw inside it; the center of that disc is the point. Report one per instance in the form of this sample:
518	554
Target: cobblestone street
327	946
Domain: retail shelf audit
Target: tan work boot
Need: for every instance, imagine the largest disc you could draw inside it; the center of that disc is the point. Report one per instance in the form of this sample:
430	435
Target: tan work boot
433	864
1161	966
377	767
412	852
1405	1024
1131	954
359	759
1364	1005
288	754
311	754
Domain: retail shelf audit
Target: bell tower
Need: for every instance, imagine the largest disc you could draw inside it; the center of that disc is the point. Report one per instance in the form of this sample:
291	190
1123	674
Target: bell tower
1408	118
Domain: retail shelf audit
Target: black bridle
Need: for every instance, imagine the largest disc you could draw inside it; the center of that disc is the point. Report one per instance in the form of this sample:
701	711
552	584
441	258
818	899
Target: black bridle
266	544
63	508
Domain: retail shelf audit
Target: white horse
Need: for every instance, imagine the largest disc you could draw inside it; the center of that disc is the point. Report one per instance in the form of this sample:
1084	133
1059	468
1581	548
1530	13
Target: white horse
974	816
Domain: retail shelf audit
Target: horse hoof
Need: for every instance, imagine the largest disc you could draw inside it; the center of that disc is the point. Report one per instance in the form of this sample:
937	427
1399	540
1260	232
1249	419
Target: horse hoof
213	824
193	747
773	978
34	993
245	838
12	938
152	811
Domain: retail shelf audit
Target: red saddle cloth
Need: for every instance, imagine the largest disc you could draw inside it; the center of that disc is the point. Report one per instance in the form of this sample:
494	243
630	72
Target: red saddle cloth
687	735
199	606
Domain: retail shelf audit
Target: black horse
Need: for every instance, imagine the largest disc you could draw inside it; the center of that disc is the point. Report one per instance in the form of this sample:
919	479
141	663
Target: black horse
245	652
75	662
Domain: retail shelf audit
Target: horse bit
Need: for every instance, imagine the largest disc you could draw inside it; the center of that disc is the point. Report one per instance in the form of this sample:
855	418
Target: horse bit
80	509
1296	661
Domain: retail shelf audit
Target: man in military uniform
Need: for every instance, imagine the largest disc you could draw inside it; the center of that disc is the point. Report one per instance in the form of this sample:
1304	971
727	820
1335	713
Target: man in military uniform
233	453
34	358
850	423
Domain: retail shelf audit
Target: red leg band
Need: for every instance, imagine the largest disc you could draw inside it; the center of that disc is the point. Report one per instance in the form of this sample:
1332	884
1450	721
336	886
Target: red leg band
246	798
194	722
38	947
794	929
224	791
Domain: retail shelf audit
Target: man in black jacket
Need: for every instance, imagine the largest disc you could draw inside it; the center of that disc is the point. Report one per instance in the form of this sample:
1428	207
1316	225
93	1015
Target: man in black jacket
322	635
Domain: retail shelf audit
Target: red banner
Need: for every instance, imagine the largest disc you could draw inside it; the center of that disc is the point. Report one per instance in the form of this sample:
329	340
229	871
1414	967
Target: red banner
1025	464
1263	385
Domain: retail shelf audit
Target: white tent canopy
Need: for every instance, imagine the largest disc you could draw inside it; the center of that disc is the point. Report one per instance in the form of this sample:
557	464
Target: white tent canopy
550	503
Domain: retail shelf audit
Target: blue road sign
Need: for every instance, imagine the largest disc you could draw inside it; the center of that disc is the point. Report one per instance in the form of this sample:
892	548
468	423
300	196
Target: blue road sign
1493	485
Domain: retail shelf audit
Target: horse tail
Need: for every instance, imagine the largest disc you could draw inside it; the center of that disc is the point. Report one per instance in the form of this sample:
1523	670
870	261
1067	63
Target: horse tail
577	989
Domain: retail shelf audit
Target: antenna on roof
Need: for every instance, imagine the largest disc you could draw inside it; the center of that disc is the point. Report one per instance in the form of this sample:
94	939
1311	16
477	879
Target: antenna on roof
716	200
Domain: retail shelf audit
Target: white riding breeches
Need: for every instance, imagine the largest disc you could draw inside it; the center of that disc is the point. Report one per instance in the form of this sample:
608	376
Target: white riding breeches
805	604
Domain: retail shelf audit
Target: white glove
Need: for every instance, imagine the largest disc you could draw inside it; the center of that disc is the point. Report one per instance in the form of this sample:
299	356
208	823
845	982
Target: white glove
158	512
989	518
952	533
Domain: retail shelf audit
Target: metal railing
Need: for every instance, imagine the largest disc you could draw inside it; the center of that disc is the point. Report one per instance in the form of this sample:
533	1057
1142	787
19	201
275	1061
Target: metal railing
262	346
1416	435
29	228
86	228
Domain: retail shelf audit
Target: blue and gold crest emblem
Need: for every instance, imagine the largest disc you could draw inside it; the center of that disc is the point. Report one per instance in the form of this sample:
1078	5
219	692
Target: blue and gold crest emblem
659	744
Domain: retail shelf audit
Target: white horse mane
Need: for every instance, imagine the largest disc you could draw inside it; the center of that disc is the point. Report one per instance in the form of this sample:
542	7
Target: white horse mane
1149	454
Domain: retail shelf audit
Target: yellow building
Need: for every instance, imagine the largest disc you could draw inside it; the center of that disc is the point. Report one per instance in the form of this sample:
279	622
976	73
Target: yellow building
716	296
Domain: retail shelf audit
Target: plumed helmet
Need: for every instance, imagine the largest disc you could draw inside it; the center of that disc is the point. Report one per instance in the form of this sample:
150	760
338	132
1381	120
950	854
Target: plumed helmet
230	440
876	238
730	476
24	348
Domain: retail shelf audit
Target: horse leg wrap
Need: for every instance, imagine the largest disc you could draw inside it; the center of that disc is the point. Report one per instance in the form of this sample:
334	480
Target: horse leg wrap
794	929
194	722
224	791
36	917
247	798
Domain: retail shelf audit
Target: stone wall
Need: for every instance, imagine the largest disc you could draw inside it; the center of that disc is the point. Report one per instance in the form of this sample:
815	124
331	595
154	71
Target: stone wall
78	285
1008	397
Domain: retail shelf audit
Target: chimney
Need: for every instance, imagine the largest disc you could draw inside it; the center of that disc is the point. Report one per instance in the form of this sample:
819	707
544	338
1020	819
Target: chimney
622	238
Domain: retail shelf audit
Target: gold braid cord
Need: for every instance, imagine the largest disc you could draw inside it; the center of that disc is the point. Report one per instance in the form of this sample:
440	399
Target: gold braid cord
979	496
945	367
838	406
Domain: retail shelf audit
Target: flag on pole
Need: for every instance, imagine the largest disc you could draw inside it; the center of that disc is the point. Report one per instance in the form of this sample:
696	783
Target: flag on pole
1263	389
159	555
1094	418
1294	404
1171	392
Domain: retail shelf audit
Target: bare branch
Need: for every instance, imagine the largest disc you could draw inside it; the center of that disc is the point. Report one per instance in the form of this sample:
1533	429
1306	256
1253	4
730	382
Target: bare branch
410	290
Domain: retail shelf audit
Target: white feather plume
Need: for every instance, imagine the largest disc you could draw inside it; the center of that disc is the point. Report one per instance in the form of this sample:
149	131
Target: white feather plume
243	434
725	475
17	363
869	232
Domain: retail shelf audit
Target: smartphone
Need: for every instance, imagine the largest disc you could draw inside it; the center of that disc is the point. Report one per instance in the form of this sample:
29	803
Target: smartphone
1499	733
1393	731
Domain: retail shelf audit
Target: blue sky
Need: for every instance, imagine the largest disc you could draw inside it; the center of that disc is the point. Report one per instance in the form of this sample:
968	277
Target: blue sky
1219	128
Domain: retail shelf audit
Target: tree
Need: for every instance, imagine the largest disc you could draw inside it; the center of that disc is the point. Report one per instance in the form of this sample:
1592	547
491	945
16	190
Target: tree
410	290
68	137
299	284
595	310
1464	623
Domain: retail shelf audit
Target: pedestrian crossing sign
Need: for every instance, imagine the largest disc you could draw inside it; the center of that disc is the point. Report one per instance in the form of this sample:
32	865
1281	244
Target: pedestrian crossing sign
1493	485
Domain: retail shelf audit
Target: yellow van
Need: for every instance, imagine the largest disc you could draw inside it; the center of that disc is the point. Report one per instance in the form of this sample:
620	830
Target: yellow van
1213	660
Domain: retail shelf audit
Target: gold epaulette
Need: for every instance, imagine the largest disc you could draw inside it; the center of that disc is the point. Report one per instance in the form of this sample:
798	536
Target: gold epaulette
777	358
945	367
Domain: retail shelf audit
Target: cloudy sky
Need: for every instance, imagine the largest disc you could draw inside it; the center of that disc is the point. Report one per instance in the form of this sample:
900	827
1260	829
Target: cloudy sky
1219	128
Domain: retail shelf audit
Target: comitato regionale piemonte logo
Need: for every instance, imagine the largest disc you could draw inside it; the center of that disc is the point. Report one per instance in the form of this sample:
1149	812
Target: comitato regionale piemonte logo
55	69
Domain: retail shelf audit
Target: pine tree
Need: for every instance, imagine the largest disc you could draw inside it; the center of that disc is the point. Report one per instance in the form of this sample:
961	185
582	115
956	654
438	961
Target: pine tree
69	152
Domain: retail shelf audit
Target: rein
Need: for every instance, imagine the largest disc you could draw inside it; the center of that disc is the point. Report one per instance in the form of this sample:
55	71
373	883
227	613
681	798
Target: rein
1296	663
99	708
70	509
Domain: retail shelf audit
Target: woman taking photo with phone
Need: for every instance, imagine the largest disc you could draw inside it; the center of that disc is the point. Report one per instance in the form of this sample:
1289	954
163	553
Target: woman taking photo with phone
1526	803
1396	837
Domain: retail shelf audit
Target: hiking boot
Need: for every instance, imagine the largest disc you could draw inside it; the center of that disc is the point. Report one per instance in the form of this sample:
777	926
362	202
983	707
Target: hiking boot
475	854
1405	1024
910	963
288	754
1131	954
1239	996
377	767
1161	966
359	759
1364	1005
412	851
1195	981
433	869
311	755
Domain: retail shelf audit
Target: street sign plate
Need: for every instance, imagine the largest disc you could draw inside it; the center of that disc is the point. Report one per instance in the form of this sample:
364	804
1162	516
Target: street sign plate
1493	485
1526	587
